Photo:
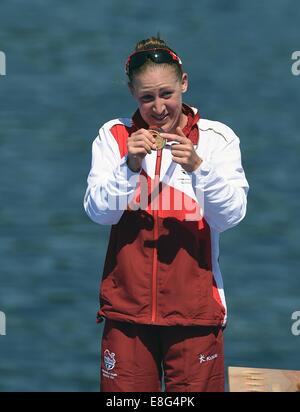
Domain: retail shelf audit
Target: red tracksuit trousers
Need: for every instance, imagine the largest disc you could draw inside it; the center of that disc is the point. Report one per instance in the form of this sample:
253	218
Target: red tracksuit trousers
135	358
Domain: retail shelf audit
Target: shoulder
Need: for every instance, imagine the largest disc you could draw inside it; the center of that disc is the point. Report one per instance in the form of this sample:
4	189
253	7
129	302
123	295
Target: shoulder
114	130
217	129
113	135
118	122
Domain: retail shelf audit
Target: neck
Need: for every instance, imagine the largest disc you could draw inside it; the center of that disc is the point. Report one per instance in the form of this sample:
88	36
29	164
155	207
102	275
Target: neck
183	120
182	123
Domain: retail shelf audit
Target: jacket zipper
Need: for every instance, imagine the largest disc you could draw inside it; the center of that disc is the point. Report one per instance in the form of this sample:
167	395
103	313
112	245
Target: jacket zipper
155	235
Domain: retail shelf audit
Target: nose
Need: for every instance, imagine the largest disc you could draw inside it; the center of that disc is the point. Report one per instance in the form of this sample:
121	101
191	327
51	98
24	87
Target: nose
159	107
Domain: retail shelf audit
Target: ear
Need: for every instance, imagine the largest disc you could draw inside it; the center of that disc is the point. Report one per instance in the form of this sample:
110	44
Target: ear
130	87
184	82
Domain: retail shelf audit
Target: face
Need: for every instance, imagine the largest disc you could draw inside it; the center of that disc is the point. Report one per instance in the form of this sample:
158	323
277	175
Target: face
158	92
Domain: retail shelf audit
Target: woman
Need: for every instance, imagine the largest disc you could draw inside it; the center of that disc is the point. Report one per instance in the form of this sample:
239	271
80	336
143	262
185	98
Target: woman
168	182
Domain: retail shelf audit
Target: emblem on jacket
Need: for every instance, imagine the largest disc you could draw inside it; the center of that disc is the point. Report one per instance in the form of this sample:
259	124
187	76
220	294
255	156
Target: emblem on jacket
109	360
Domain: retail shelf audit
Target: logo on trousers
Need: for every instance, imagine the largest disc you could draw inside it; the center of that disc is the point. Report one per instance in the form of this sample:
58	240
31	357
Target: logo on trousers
109	360
203	358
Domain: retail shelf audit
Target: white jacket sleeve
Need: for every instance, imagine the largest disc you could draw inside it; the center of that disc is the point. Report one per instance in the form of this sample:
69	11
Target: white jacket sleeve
111	184
220	183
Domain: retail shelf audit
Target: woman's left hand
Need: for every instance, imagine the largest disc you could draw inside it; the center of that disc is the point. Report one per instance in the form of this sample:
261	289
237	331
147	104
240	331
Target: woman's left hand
184	152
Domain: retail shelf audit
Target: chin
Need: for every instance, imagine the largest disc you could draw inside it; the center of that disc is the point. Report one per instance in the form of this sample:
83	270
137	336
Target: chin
170	128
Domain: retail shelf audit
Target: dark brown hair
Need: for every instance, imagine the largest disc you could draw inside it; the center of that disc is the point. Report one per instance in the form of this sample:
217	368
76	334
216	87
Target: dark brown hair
152	43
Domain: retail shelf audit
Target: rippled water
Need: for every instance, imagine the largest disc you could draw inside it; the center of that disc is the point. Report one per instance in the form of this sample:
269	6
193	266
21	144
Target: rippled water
64	79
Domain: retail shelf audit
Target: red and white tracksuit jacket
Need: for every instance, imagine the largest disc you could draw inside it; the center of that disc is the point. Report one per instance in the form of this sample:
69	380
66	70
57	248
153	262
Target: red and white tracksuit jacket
162	264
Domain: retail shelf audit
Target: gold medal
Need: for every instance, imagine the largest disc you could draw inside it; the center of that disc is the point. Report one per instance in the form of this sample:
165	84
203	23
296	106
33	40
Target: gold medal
159	140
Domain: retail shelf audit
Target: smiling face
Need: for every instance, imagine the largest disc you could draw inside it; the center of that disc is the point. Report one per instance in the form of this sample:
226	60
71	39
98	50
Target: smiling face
158	92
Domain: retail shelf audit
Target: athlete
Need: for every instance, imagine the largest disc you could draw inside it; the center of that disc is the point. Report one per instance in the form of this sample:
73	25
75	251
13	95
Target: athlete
169	182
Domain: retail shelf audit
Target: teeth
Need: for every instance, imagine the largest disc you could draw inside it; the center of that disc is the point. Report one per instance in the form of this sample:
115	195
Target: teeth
160	118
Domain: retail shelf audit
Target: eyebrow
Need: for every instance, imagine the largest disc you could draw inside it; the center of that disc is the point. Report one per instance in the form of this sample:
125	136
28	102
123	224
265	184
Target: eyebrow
165	88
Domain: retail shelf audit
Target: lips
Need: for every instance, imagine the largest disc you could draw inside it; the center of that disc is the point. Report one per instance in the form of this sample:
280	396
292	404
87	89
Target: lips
161	118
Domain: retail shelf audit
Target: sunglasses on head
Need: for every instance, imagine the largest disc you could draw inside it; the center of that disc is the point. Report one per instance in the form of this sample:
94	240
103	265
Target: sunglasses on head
157	55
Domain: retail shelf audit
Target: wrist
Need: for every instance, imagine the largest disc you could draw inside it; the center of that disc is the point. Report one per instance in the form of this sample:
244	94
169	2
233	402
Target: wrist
133	164
197	164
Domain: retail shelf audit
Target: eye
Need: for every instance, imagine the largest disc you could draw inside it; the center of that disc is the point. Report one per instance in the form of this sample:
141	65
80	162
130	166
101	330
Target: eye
146	98
166	94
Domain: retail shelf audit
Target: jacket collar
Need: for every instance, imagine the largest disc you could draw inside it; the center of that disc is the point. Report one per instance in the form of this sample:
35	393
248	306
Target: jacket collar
190	130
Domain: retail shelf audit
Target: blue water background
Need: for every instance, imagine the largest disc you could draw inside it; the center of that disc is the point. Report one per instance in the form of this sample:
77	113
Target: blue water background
64	80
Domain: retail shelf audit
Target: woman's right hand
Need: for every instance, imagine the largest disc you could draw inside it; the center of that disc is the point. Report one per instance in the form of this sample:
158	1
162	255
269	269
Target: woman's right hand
139	144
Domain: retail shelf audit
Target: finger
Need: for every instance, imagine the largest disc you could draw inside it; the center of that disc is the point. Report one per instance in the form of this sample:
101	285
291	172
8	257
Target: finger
179	160
146	137
139	139
178	153
147	143
174	137
147	134
141	143
180	132
180	146
142	134
138	151
144	145
151	142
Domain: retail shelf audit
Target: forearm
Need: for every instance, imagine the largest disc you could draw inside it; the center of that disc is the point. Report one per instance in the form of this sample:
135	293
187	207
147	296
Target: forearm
224	203
106	198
